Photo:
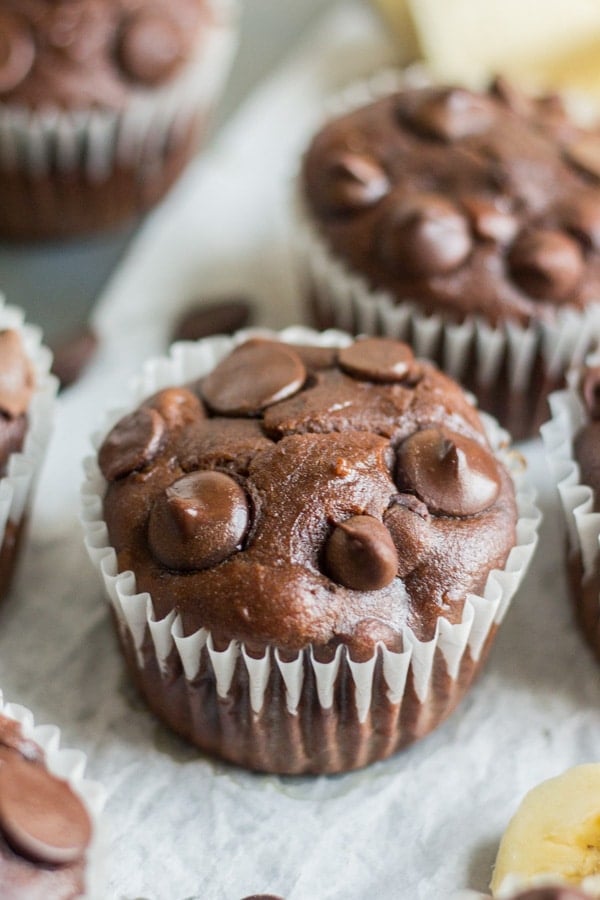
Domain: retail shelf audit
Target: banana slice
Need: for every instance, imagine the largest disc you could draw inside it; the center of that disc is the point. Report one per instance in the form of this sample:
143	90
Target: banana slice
554	836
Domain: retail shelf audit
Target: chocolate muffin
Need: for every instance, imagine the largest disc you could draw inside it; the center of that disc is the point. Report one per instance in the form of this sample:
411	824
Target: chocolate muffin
466	223
27	395
101	106
308	522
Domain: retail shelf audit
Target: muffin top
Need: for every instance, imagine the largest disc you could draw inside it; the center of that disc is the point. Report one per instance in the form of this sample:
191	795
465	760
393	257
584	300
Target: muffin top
17	382
309	495
45	829
80	54
468	203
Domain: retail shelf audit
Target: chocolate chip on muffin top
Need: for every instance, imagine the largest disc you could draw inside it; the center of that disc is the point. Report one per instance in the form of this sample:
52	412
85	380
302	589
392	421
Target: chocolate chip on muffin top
309	495
467	203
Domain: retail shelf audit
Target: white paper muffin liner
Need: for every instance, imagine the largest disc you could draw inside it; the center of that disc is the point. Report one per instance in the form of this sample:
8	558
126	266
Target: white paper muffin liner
472	350
94	141
70	766
413	668
17	486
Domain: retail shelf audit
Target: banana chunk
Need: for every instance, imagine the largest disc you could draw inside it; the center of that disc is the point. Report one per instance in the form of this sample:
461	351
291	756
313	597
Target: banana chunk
554	837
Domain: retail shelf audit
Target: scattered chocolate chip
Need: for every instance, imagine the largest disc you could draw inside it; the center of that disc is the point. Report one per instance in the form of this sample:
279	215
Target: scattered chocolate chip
377	359
351	182
360	554
40	816
450	114
72	355
424	235
409	524
206	319
255	375
198	521
546	264
489	220
178	406
585	153
133	443
16	374
150	47
17	51
590	389
581	217
452	474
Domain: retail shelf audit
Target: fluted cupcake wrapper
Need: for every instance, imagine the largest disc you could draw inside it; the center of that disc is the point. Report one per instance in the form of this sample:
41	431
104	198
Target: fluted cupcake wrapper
400	695
69	765
17	486
500	364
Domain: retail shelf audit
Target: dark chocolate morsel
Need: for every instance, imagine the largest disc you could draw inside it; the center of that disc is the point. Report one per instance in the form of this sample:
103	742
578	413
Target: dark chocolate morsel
581	217
16	375
585	153
255	375
351	182
133	443
409	524
452	474
178	406
546	264
489	220
423	235
40	815
199	521
360	554
223	316
17	51
590	389
377	359
450	114
72	354
150	47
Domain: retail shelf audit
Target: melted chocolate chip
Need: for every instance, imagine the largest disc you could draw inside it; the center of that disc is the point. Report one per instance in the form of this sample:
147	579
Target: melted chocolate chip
352	182
198	521
489	220
590	389
17	51
205	319
360	554
16	375
40	816
452	474
133	443
178	406
377	359
255	375
424	235
150	47
585	153
546	264
409	524
450	114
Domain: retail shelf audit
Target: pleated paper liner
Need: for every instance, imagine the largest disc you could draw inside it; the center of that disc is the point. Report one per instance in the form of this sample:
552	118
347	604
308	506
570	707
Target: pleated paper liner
271	714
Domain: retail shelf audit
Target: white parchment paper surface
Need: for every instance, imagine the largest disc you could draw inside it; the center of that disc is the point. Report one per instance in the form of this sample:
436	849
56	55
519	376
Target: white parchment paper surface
417	827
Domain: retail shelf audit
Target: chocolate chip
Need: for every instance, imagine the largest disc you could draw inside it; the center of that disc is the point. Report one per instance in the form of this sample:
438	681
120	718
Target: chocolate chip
377	359
360	554
40	816
409	524
546	264
585	153
150	47
450	114
17	51
178	406
424	235
489	220
206	319
581	217
255	375
351	182
590	389
72	354
199	521
452	474
16	374
133	443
